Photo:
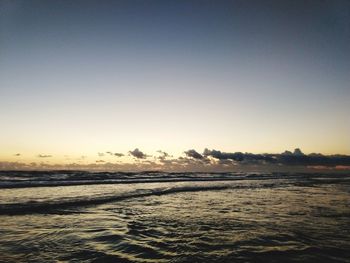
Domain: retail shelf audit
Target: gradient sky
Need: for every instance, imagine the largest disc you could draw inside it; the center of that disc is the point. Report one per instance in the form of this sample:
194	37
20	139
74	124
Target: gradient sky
82	77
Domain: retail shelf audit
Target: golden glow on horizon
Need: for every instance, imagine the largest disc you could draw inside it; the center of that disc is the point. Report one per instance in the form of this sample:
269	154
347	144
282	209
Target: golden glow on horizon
68	148
175	132
59	157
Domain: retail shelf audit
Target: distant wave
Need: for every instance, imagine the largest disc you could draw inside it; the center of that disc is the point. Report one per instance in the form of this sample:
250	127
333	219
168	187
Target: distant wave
117	178
47	179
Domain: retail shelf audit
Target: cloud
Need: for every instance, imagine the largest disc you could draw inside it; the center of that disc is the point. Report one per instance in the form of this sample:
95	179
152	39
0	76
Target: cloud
17	154
44	156
163	155
313	159
297	152
138	154
237	156
100	161
100	154
193	154
115	154
287	158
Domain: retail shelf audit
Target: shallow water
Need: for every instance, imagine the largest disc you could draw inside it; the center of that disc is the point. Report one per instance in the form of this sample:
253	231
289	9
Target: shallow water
288	219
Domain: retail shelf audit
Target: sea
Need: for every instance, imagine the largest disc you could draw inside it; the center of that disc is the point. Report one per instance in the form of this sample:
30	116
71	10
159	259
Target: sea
77	216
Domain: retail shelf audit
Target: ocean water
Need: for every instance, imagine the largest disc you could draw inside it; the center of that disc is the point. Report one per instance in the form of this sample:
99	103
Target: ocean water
161	217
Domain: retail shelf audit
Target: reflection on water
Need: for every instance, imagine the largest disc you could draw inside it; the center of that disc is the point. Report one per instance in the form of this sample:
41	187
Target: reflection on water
284	222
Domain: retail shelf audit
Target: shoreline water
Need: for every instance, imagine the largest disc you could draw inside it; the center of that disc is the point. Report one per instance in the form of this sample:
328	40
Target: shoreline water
290	218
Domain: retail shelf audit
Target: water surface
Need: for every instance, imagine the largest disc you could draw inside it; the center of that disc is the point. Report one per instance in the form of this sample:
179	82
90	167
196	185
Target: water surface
260	218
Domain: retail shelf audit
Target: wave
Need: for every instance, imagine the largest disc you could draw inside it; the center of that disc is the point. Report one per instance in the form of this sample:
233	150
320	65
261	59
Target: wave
47	207
17	179
45	183
38	204
109	178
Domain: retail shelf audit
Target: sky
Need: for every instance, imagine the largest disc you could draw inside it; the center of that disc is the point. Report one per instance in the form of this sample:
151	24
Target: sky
79	79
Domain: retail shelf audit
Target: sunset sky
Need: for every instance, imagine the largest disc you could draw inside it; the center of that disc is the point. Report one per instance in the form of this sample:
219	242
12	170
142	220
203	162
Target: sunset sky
79	79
